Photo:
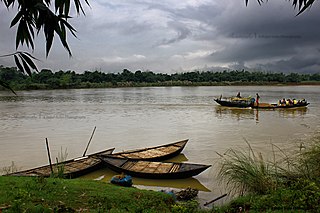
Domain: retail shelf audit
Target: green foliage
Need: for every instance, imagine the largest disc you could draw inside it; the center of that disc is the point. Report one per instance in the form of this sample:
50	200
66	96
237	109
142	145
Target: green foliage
46	79
293	183
308	163
246	173
302	195
34	16
185	207
58	170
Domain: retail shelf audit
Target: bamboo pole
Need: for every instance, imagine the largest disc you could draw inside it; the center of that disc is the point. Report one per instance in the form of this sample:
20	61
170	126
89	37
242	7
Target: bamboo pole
85	151
218	198
48	150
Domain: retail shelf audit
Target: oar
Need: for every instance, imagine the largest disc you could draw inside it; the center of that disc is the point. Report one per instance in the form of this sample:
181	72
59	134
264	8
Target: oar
49	155
85	151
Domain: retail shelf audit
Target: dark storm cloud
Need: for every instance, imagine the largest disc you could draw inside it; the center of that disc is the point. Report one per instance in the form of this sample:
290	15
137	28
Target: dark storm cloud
278	40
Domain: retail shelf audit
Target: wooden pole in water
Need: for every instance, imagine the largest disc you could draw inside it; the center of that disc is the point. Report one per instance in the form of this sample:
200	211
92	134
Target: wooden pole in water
218	198
48	150
85	151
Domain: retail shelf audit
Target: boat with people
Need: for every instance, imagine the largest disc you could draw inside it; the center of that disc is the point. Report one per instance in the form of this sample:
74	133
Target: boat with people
156	153
282	104
153	169
239	102
70	169
249	102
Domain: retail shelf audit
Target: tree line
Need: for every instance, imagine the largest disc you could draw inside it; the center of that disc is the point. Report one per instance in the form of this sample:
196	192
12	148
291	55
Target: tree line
47	79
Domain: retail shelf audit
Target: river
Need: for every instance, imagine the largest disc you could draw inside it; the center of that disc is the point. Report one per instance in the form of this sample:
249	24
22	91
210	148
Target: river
128	118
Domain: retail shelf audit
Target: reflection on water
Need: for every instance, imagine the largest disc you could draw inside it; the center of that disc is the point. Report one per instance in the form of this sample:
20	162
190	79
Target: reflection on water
106	174
178	159
253	114
293	112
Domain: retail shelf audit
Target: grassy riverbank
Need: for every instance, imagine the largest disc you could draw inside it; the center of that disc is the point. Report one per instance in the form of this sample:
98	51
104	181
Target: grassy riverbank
24	194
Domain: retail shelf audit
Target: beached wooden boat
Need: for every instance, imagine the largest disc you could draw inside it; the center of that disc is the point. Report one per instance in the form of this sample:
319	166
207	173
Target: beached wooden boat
152	169
71	168
157	153
277	106
235	102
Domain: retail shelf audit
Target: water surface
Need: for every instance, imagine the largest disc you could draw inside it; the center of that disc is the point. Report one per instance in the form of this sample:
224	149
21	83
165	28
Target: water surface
128	118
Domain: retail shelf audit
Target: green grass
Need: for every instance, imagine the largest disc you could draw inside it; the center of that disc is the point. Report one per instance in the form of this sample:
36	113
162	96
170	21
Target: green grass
34	194
289	184
246	172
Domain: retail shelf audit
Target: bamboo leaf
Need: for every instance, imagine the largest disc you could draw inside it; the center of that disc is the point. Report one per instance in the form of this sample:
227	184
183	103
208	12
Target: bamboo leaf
49	38
26	67
30	56
18	63
19	36
306	5
16	19
29	61
67	7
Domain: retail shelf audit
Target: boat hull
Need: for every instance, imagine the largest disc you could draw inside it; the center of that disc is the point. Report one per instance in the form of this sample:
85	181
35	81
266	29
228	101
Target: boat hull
154	170
275	106
238	104
157	153
71	168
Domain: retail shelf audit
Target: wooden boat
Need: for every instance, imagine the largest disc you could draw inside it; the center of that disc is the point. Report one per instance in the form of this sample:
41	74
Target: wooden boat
71	168
153	170
235	102
157	153
276	106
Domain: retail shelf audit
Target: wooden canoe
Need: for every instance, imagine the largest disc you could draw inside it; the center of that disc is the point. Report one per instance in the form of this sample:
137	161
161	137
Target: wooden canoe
72	168
157	153
235	103
152	169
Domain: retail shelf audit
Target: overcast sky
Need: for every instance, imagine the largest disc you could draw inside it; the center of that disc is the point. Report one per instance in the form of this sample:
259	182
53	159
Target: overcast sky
173	36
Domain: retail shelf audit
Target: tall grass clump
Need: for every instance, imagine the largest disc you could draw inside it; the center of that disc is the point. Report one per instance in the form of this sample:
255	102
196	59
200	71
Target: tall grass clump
59	170
9	169
308	165
247	172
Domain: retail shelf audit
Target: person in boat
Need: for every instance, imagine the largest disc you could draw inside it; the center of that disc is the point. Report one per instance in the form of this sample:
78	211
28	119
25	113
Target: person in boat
283	102
238	95
287	102
295	101
290	102
257	99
